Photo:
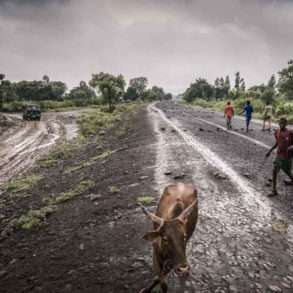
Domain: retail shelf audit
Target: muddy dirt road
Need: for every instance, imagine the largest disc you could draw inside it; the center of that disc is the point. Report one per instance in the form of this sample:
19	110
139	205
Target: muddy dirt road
93	243
29	140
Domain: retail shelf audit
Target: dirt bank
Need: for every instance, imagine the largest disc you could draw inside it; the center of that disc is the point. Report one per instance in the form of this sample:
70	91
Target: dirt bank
91	243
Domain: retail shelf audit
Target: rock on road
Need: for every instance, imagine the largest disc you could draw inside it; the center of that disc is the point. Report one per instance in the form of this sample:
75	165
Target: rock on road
244	240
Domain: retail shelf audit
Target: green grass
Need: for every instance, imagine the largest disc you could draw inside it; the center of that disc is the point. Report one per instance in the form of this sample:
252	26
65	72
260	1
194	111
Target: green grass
34	218
80	188
94	121
22	184
104	155
63	152
89	163
282	108
145	200
47	162
114	189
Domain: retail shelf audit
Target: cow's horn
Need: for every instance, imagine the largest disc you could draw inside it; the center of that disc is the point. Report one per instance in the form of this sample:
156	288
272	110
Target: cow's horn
152	216
187	211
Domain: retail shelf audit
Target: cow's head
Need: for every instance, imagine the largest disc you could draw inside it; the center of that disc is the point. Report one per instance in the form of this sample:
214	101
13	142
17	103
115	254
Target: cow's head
170	239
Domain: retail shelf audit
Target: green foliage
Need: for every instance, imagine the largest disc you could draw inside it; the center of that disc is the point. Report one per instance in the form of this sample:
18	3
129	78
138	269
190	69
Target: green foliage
91	123
285	84
34	218
222	88
79	189
104	155
201	103
130	94
239	104
111	87
82	95
39	90
62	152
285	108
145	200
114	189
200	89
139	84
22	184
47	162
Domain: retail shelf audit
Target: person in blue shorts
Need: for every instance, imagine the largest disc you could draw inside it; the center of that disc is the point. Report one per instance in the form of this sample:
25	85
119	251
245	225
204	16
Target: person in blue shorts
248	109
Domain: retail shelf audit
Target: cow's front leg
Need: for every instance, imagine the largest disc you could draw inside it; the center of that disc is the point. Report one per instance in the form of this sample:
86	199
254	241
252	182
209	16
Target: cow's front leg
149	289
164	287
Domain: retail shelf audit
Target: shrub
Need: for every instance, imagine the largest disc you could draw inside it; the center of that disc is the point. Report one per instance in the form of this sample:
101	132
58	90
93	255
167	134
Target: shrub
285	109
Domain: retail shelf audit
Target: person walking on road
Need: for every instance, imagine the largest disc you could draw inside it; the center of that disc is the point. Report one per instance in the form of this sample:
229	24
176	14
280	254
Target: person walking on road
283	160
267	116
248	109
228	114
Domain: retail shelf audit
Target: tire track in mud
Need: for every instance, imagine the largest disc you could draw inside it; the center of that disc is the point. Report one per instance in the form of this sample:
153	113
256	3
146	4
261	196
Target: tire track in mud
234	248
19	151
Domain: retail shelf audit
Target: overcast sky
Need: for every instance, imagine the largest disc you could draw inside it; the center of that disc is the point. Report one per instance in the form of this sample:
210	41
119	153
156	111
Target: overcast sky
171	42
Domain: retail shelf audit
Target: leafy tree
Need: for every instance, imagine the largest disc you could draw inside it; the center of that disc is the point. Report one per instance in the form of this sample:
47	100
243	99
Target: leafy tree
82	84
168	96
242	85
285	84
237	84
217	89
111	87
139	84
2	76
200	89
82	94
56	90
130	94
268	95
272	82
8	91
227	86
149	95
46	79
158	92
40	91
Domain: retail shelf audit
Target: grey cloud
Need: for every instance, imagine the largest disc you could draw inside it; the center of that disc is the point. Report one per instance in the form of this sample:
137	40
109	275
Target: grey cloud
171	42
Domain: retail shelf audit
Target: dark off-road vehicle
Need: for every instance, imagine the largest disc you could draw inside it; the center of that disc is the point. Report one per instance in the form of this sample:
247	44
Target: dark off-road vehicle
32	112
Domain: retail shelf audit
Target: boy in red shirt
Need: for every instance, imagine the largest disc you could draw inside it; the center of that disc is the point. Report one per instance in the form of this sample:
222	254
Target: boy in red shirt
283	160
229	113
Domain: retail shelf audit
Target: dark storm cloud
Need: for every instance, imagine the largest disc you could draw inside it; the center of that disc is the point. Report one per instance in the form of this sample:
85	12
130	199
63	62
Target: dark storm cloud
171	42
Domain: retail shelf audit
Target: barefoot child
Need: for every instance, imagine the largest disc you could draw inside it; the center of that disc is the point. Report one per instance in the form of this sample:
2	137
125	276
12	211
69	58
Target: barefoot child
267	116
229	113
248	109
283	160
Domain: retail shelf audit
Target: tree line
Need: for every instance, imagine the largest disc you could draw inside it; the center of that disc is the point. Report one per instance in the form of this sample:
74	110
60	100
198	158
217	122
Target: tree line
223	89
103	88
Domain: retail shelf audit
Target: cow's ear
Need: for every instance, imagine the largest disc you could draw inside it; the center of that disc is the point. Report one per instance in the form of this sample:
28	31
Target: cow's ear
151	236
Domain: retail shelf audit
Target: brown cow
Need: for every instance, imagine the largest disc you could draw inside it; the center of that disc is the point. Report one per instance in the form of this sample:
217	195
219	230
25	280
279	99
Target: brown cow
174	223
